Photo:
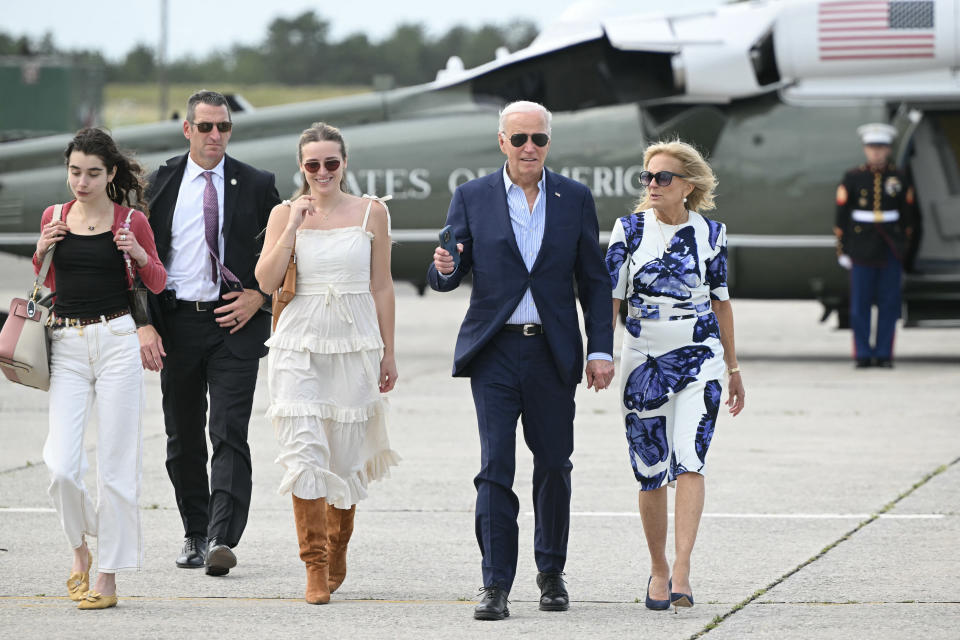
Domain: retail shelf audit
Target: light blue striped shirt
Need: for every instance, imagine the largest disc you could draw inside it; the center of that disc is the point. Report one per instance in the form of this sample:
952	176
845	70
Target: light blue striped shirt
528	229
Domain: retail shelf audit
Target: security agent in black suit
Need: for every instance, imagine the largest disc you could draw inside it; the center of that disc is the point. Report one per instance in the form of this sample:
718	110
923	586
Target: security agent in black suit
208	327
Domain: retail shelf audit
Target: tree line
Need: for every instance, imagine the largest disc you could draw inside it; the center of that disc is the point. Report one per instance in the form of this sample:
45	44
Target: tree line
299	51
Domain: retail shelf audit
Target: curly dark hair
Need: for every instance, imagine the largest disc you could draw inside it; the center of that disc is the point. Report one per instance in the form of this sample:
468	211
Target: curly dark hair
128	185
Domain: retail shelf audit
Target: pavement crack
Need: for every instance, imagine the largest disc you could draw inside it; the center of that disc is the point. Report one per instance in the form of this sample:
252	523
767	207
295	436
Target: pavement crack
719	619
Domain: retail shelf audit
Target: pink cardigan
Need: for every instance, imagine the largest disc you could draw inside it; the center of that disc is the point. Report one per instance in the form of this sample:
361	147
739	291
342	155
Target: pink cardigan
153	274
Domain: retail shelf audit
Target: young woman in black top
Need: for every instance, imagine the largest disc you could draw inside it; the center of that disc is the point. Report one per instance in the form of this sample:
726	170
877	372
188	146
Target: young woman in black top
95	358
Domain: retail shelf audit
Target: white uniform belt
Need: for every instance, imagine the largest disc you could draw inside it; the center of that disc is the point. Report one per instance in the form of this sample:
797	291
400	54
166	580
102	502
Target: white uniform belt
668	311
309	287
862	215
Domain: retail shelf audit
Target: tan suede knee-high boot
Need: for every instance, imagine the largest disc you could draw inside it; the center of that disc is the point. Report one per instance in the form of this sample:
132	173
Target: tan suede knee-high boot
339	528
311	519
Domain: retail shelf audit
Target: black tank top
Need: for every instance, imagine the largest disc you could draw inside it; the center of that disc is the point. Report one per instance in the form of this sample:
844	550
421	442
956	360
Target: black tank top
90	276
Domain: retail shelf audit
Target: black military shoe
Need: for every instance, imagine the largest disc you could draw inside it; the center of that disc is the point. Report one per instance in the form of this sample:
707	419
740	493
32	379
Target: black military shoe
193	552
493	606
220	559
553	592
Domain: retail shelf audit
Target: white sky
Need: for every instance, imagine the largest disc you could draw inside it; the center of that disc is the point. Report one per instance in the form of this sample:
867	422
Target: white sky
201	26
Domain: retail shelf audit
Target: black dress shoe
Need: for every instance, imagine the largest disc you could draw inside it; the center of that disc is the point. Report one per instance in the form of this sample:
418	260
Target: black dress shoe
220	559
863	363
193	552
553	592
885	363
494	604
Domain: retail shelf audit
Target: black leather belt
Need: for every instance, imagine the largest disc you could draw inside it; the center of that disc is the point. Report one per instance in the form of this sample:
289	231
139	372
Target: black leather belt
198	305
526	329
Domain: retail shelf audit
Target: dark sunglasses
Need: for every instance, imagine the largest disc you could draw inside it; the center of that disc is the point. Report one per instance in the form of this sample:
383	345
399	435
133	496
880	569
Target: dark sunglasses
663	178
520	139
207	127
330	164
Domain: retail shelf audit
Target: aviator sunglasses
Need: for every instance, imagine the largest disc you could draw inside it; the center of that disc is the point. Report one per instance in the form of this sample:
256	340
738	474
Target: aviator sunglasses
662	178
520	139
330	164
207	127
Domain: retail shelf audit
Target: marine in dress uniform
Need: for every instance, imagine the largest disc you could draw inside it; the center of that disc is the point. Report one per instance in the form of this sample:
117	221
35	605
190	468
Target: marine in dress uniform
875	219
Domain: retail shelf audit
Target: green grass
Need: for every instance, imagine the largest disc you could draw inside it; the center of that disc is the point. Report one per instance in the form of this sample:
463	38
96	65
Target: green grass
126	104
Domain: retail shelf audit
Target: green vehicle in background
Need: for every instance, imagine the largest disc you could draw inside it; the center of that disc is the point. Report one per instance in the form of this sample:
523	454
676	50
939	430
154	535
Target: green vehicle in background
749	84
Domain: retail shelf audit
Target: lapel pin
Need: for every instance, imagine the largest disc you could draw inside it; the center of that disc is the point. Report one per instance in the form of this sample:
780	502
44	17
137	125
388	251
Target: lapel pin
233	181
556	193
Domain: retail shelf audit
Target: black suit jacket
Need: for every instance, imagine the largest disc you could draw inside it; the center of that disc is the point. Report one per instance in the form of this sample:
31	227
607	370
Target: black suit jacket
249	196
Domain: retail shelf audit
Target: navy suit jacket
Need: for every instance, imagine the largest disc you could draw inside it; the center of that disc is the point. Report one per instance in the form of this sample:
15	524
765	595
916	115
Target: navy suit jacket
570	263
249	194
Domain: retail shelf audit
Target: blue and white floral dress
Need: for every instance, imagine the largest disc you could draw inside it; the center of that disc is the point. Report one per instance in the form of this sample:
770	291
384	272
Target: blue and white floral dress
671	361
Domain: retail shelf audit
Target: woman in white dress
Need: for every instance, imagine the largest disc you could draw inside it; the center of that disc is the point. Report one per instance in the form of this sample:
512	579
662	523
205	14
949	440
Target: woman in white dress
670	264
331	357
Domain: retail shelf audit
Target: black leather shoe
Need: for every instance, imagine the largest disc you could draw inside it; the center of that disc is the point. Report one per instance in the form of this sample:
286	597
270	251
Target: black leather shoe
193	552
885	363
553	592
863	363
220	559
493	606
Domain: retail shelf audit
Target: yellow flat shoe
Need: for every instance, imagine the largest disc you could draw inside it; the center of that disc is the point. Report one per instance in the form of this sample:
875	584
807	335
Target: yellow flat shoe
94	600
79	583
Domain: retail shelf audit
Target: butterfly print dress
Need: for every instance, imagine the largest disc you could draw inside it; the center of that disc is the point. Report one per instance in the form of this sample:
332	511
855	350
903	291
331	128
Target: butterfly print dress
671	360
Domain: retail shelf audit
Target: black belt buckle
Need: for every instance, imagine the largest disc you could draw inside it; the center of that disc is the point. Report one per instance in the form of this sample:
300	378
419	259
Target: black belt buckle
530	330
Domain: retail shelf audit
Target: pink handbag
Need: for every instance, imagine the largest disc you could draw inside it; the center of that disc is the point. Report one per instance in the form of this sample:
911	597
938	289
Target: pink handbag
25	339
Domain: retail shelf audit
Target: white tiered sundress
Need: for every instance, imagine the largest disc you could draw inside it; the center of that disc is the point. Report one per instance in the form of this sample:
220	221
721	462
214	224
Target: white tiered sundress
324	370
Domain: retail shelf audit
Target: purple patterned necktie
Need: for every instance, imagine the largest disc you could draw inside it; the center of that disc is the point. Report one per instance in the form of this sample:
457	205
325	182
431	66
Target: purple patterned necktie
211	221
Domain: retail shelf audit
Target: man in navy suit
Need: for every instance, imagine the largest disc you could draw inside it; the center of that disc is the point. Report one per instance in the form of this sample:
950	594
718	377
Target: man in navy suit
530	238
208	327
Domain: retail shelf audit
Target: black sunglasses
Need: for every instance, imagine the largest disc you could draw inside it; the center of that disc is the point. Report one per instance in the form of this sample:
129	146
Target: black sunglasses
330	164
520	139
207	127
663	178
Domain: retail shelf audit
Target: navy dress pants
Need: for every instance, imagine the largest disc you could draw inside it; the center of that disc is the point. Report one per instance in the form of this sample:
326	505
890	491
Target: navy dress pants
871	285
515	377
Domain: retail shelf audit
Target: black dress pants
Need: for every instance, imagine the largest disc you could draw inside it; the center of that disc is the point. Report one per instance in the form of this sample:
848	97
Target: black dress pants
197	362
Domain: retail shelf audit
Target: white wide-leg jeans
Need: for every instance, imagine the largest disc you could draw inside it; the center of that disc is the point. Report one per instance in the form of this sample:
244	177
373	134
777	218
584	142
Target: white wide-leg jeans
99	363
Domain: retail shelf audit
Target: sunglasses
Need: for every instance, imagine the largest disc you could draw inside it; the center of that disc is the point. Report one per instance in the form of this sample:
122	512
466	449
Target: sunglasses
207	127
662	178
520	139
330	164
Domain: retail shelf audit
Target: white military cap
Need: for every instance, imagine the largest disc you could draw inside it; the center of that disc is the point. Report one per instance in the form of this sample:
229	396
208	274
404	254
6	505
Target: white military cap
876	133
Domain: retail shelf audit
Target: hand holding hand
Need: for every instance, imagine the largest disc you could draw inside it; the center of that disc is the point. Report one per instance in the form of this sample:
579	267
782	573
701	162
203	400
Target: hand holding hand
443	261
599	374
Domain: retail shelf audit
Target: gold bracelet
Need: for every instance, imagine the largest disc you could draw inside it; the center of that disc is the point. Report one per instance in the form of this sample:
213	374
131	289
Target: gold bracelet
733	370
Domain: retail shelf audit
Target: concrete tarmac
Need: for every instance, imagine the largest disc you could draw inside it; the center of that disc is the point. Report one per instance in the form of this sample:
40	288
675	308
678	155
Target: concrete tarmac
831	512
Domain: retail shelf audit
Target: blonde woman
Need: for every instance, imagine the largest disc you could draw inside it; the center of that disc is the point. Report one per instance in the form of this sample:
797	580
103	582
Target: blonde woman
670	265
331	357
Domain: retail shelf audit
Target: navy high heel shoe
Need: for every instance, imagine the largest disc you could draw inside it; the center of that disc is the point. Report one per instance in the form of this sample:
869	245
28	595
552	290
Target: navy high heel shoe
681	600
657	605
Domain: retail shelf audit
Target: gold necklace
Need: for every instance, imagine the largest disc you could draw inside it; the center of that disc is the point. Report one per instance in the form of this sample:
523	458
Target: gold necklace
666	243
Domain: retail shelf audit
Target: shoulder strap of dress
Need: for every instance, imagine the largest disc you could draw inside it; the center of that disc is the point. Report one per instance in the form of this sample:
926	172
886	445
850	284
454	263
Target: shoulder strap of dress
366	215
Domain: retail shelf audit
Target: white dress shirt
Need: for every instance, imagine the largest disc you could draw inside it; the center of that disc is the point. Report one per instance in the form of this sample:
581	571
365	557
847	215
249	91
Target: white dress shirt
188	267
